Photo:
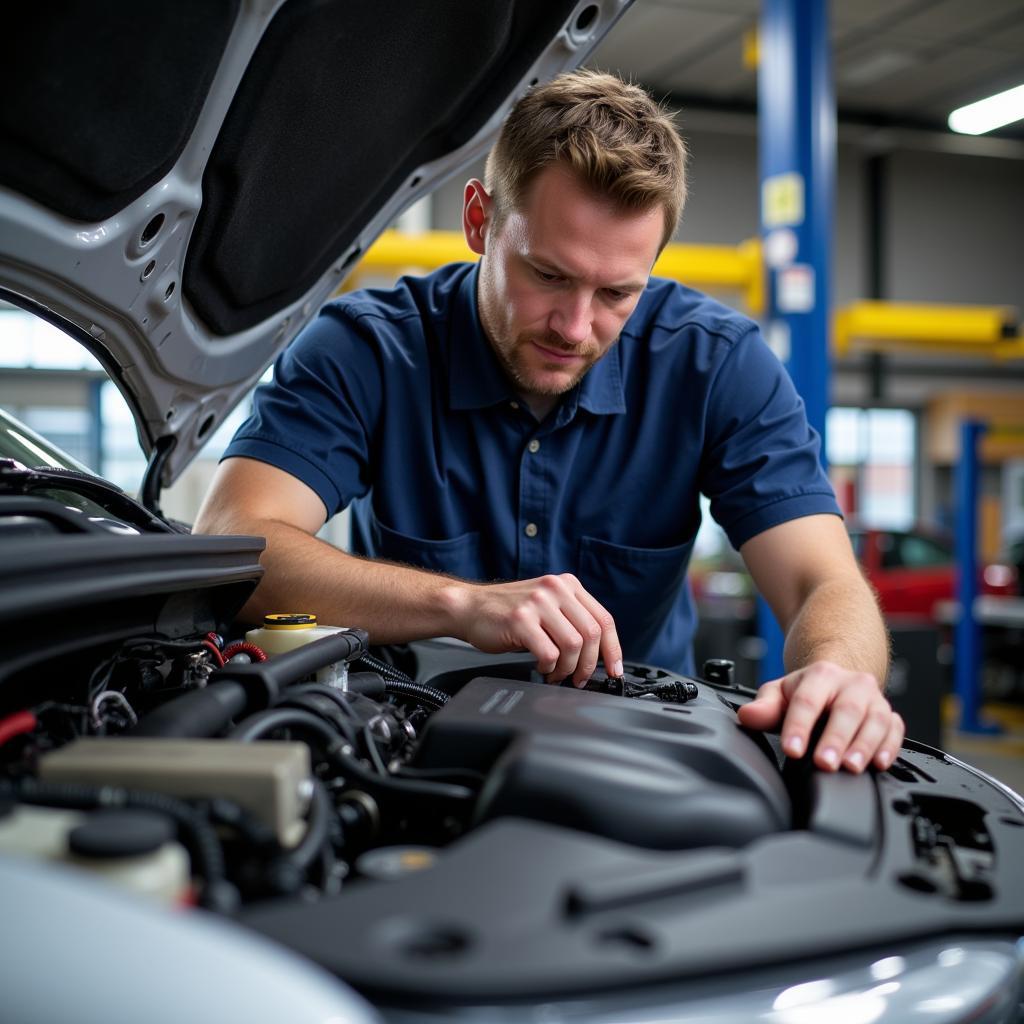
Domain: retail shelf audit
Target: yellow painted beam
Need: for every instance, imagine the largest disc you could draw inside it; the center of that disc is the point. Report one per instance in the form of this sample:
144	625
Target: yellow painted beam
960	330
951	329
717	266
1010	348
702	266
751	49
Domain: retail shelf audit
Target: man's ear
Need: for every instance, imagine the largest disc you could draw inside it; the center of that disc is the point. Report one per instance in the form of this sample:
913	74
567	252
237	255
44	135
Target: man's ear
476	215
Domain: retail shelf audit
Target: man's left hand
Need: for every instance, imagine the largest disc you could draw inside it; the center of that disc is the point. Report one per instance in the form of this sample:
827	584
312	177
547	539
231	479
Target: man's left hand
862	726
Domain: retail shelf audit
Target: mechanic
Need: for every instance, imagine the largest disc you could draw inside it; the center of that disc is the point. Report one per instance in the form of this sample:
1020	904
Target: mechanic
549	416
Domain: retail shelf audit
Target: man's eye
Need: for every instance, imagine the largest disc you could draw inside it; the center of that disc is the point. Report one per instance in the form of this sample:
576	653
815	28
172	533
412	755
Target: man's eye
546	278
616	296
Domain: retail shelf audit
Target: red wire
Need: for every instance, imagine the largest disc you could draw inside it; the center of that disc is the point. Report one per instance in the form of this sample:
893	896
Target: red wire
213	649
16	725
244	647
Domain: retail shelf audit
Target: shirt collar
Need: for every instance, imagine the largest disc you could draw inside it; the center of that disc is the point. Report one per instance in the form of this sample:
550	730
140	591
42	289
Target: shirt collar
477	380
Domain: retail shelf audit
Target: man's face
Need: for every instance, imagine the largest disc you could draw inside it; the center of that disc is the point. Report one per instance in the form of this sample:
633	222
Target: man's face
560	277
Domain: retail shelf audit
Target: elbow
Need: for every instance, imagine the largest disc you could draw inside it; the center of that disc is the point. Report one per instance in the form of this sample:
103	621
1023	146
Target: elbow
227	521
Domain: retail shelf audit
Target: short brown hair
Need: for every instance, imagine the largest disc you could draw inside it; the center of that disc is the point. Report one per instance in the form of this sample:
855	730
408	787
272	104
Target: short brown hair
616	139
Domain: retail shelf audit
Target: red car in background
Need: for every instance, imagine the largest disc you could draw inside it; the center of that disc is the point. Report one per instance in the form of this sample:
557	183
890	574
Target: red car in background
913	570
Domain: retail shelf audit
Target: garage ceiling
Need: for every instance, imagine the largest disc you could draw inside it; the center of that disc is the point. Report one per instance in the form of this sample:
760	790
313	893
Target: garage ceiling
901	63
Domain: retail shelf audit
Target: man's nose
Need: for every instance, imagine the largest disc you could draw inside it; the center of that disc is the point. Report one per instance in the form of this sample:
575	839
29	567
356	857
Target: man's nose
571	320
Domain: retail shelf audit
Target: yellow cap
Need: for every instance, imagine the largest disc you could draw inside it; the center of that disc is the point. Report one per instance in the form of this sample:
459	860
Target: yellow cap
289	620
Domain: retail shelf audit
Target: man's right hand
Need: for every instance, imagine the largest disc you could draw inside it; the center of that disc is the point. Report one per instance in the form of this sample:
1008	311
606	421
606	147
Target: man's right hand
552	617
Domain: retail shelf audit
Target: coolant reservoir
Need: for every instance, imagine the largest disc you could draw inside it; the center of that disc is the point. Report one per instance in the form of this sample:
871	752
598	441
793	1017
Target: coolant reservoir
284	631
135	849
132	848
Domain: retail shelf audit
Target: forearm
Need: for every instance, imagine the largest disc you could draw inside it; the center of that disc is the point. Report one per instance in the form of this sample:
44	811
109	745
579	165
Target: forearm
394	603
553	617
839	621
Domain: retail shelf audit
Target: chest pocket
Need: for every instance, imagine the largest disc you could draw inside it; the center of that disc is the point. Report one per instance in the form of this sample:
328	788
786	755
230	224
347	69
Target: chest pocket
459	556
638	586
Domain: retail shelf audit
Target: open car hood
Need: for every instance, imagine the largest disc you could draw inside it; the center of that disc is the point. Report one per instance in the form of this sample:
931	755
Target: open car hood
182	185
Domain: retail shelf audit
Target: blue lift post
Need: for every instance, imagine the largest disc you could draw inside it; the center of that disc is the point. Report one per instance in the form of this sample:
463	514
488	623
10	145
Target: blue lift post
797	144
967	639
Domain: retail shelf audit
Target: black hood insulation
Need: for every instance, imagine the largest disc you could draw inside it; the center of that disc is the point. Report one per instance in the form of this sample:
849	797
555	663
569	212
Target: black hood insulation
340	104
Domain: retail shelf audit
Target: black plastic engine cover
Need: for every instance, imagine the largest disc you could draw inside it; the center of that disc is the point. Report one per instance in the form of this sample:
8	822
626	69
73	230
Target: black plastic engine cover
650	774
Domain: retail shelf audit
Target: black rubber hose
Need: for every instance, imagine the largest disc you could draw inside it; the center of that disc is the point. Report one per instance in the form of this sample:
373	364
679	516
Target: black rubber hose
320	689
396	681
301	699
278	718
204	712
252	830
382	667
420	690
367	684
371	781
258	726
152	479
193	830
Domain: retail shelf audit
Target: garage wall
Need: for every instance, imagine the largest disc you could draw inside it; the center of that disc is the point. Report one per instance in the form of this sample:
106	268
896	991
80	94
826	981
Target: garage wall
956	229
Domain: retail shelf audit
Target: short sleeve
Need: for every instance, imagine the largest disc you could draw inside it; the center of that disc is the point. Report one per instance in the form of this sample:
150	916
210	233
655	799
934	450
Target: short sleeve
761	464
316	419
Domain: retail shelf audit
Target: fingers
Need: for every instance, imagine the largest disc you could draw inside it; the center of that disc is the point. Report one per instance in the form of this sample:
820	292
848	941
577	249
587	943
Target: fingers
608	641
565	628
577	625
576	635
807	694
873	737
851	710
861	728
766	710
889	747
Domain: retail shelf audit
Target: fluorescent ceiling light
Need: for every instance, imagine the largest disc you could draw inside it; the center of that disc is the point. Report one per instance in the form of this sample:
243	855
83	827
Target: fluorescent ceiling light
994	112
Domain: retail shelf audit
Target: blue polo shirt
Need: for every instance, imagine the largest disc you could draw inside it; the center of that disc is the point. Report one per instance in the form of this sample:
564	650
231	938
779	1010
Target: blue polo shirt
394	402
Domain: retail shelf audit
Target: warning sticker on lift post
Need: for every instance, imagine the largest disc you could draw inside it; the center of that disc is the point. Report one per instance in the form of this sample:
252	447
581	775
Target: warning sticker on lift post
794	289
782	200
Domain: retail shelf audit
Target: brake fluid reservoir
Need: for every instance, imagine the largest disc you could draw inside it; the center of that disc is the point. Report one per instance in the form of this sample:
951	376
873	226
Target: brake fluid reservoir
284	631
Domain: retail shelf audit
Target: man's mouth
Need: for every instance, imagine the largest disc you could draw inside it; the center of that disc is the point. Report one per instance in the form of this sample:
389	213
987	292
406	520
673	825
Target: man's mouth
555	355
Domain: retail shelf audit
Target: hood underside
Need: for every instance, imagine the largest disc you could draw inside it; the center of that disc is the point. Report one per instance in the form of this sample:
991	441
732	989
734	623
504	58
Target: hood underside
182	185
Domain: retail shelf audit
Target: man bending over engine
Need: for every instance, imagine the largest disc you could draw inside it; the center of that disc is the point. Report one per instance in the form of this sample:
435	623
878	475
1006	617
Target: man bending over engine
549	416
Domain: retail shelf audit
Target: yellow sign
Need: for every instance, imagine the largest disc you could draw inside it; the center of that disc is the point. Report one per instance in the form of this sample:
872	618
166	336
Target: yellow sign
782	200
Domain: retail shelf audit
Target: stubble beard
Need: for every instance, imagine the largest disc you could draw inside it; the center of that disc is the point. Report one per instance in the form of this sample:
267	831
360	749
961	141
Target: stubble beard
513	359
511	355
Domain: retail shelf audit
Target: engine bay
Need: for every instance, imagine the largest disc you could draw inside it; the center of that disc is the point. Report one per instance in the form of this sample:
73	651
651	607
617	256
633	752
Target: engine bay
437	826
441	824
299	781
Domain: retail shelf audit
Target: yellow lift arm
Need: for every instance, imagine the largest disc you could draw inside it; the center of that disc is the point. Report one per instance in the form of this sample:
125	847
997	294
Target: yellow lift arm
737	268
952	330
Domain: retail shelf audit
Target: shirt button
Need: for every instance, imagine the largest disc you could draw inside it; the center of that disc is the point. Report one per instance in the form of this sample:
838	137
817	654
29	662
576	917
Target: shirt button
534	446
513	405
530	530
